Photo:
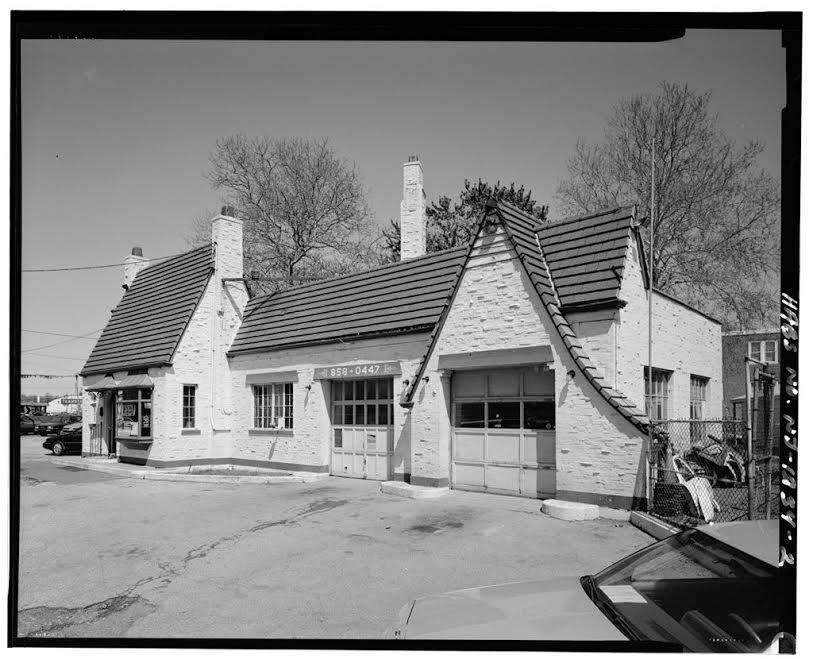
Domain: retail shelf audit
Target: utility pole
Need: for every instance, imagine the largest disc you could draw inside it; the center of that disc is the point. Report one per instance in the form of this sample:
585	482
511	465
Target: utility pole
651	265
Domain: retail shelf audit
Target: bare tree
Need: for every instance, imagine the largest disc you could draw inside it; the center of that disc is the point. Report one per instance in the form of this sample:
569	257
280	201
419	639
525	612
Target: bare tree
716	219
303	206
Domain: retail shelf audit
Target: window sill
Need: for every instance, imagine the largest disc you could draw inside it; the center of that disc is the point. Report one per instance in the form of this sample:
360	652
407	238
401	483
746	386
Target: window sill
135	440
271	431
190	431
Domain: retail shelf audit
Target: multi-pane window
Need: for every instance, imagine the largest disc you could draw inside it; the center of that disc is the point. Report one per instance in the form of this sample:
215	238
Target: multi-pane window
189	405
274	405
133	413
657	400
697	397
363	402
763	351
504	399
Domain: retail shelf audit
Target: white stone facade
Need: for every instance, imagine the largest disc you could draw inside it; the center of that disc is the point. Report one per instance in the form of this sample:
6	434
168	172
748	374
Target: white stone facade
600	455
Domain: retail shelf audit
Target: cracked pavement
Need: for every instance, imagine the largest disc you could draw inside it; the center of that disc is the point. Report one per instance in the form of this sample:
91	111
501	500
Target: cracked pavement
103	556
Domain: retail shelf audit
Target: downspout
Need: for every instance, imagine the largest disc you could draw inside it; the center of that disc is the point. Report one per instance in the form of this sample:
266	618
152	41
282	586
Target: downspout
213	342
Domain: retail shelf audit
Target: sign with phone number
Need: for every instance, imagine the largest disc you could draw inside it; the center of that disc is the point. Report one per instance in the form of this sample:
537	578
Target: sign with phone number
357	371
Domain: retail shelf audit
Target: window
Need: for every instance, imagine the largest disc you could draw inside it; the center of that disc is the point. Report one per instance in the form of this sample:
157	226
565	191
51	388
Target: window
274	405
189	405
763	351
133	413
656	400
363	402
504	399
697	397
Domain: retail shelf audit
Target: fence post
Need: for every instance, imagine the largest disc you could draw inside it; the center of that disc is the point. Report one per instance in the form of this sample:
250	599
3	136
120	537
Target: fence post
749	446
766	474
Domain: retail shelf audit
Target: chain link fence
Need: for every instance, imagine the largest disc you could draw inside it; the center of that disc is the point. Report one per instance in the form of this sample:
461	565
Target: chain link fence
699	473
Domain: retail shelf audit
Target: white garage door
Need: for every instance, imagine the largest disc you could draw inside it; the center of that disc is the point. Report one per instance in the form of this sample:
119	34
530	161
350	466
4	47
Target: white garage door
504	438
362	428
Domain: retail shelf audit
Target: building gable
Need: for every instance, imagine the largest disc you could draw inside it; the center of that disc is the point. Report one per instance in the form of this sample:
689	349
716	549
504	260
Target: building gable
145	327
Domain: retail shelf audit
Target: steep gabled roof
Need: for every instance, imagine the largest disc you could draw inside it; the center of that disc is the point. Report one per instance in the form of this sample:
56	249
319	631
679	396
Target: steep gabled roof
149	321
586	256
520	229
404	297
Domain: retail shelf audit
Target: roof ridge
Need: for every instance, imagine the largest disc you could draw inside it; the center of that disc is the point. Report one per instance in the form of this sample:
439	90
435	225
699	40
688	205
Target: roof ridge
549	224
332	280
175	257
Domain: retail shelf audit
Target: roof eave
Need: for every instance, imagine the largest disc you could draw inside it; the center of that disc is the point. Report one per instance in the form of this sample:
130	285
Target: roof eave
123	367
418	329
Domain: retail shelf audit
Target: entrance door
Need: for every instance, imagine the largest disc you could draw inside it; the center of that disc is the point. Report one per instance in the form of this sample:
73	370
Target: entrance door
504	437
362	434
110	421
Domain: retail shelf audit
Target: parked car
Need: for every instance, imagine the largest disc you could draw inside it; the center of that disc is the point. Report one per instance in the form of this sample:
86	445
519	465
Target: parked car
69	440
714	588
51	424
26	424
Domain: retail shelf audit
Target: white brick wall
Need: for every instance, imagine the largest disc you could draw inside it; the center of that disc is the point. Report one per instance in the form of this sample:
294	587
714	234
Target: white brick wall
496	307
309	443
683	341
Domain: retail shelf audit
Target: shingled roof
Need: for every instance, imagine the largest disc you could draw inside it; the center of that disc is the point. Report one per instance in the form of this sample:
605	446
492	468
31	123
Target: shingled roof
146	326
586	255
520	228
404	297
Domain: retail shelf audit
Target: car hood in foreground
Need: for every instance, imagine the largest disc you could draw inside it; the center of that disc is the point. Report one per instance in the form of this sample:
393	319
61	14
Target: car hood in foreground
552	610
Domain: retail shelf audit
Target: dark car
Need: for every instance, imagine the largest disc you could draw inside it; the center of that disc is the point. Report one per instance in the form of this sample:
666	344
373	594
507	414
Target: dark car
713	588
69	440
26	424
52	424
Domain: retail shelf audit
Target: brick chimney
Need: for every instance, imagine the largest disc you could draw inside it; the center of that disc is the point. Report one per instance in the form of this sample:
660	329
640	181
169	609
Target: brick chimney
133	264
413	211
227	235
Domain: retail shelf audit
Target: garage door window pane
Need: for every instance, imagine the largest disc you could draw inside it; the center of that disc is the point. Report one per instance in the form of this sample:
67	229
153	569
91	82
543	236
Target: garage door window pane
539	383
470	415
359	415
348	390
359	389
503	415
337	438
503	383
348	415
371	415
540	415
382	415
337	414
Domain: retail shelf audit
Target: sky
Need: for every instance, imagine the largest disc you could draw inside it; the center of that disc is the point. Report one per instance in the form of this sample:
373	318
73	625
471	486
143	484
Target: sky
116	136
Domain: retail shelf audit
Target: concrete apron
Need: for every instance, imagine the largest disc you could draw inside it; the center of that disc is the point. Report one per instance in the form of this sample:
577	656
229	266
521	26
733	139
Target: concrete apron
182	473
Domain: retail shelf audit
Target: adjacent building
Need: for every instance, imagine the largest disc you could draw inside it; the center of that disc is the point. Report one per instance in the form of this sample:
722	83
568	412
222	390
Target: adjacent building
515	364
760	345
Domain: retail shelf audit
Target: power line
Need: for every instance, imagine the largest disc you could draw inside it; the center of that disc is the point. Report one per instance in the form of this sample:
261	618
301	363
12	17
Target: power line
75	336
97	267
47	376
42	354
59	343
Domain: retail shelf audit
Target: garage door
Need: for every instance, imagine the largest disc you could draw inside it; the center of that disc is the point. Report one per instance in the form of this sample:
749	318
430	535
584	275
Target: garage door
362	441
504	438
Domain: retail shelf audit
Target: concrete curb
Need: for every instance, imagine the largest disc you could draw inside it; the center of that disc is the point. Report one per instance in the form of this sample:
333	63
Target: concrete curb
655	527
401	489
570	511
156	475
219	478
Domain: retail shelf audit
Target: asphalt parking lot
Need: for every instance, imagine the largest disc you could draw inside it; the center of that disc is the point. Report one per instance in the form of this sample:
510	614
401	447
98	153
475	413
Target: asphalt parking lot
104	556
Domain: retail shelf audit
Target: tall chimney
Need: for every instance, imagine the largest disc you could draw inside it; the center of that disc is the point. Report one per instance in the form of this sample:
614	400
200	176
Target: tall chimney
227	234
133	264
413	211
